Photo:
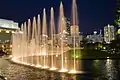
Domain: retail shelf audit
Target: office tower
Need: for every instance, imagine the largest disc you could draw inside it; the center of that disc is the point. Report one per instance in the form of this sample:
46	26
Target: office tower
109	33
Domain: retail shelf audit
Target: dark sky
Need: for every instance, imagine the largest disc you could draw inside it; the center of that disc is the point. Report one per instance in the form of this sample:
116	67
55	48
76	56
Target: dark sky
93	14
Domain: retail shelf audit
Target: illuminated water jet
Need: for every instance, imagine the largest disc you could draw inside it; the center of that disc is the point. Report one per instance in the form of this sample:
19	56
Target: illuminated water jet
33	45
62	28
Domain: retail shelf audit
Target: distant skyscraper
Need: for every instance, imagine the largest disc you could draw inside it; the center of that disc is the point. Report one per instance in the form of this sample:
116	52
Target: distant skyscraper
109	33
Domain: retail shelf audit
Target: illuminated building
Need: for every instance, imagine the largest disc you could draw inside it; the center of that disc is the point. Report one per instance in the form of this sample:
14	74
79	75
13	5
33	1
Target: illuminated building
7	27
109	33
95	37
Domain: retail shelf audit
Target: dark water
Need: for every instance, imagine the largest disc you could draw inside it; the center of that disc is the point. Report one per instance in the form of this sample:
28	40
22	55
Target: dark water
97	70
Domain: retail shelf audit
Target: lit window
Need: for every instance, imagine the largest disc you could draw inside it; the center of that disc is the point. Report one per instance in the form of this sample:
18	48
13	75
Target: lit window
10	45
7	31
2	46
13	32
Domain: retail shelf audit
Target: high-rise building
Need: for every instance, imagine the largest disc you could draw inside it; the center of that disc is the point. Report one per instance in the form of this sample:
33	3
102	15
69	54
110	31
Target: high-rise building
109	33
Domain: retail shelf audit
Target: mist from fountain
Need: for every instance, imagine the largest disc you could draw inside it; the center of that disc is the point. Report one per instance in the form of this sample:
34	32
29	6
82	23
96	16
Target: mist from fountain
29	39
62	29
44	41
74	24
22	44
52	32
38	42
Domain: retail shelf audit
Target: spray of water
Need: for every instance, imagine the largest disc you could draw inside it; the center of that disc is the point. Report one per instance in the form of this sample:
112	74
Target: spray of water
32	46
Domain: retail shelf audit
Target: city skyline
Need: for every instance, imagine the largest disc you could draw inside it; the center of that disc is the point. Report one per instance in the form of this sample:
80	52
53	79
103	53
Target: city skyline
92	15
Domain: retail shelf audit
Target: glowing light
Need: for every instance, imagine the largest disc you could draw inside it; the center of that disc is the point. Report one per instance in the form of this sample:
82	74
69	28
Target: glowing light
7	31
77	53
63	70
118	10
10	56
62	18
13	32
10	45
104	47
38	66
108	60
72	71
43	53
45	67
118	32
56	55
32	65
53	68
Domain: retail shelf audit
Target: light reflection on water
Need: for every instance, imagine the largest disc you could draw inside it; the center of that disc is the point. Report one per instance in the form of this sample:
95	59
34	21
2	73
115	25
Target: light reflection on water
98	70
111	70
108	69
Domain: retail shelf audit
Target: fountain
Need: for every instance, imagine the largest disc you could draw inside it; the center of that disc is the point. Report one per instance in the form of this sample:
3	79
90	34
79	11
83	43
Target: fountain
38	41
62	26
34	47
52	32
74	23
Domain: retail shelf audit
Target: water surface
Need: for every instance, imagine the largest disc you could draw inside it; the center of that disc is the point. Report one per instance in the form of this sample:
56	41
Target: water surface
97	70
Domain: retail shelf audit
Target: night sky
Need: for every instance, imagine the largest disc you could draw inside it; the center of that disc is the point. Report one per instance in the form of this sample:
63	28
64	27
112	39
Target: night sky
93	14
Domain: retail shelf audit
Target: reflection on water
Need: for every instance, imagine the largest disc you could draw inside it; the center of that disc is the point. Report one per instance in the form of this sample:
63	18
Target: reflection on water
97	70
111	69
108	69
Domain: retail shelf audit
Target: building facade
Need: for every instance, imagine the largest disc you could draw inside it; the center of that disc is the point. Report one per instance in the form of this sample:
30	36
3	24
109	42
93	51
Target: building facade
109	33
95	37
7	27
